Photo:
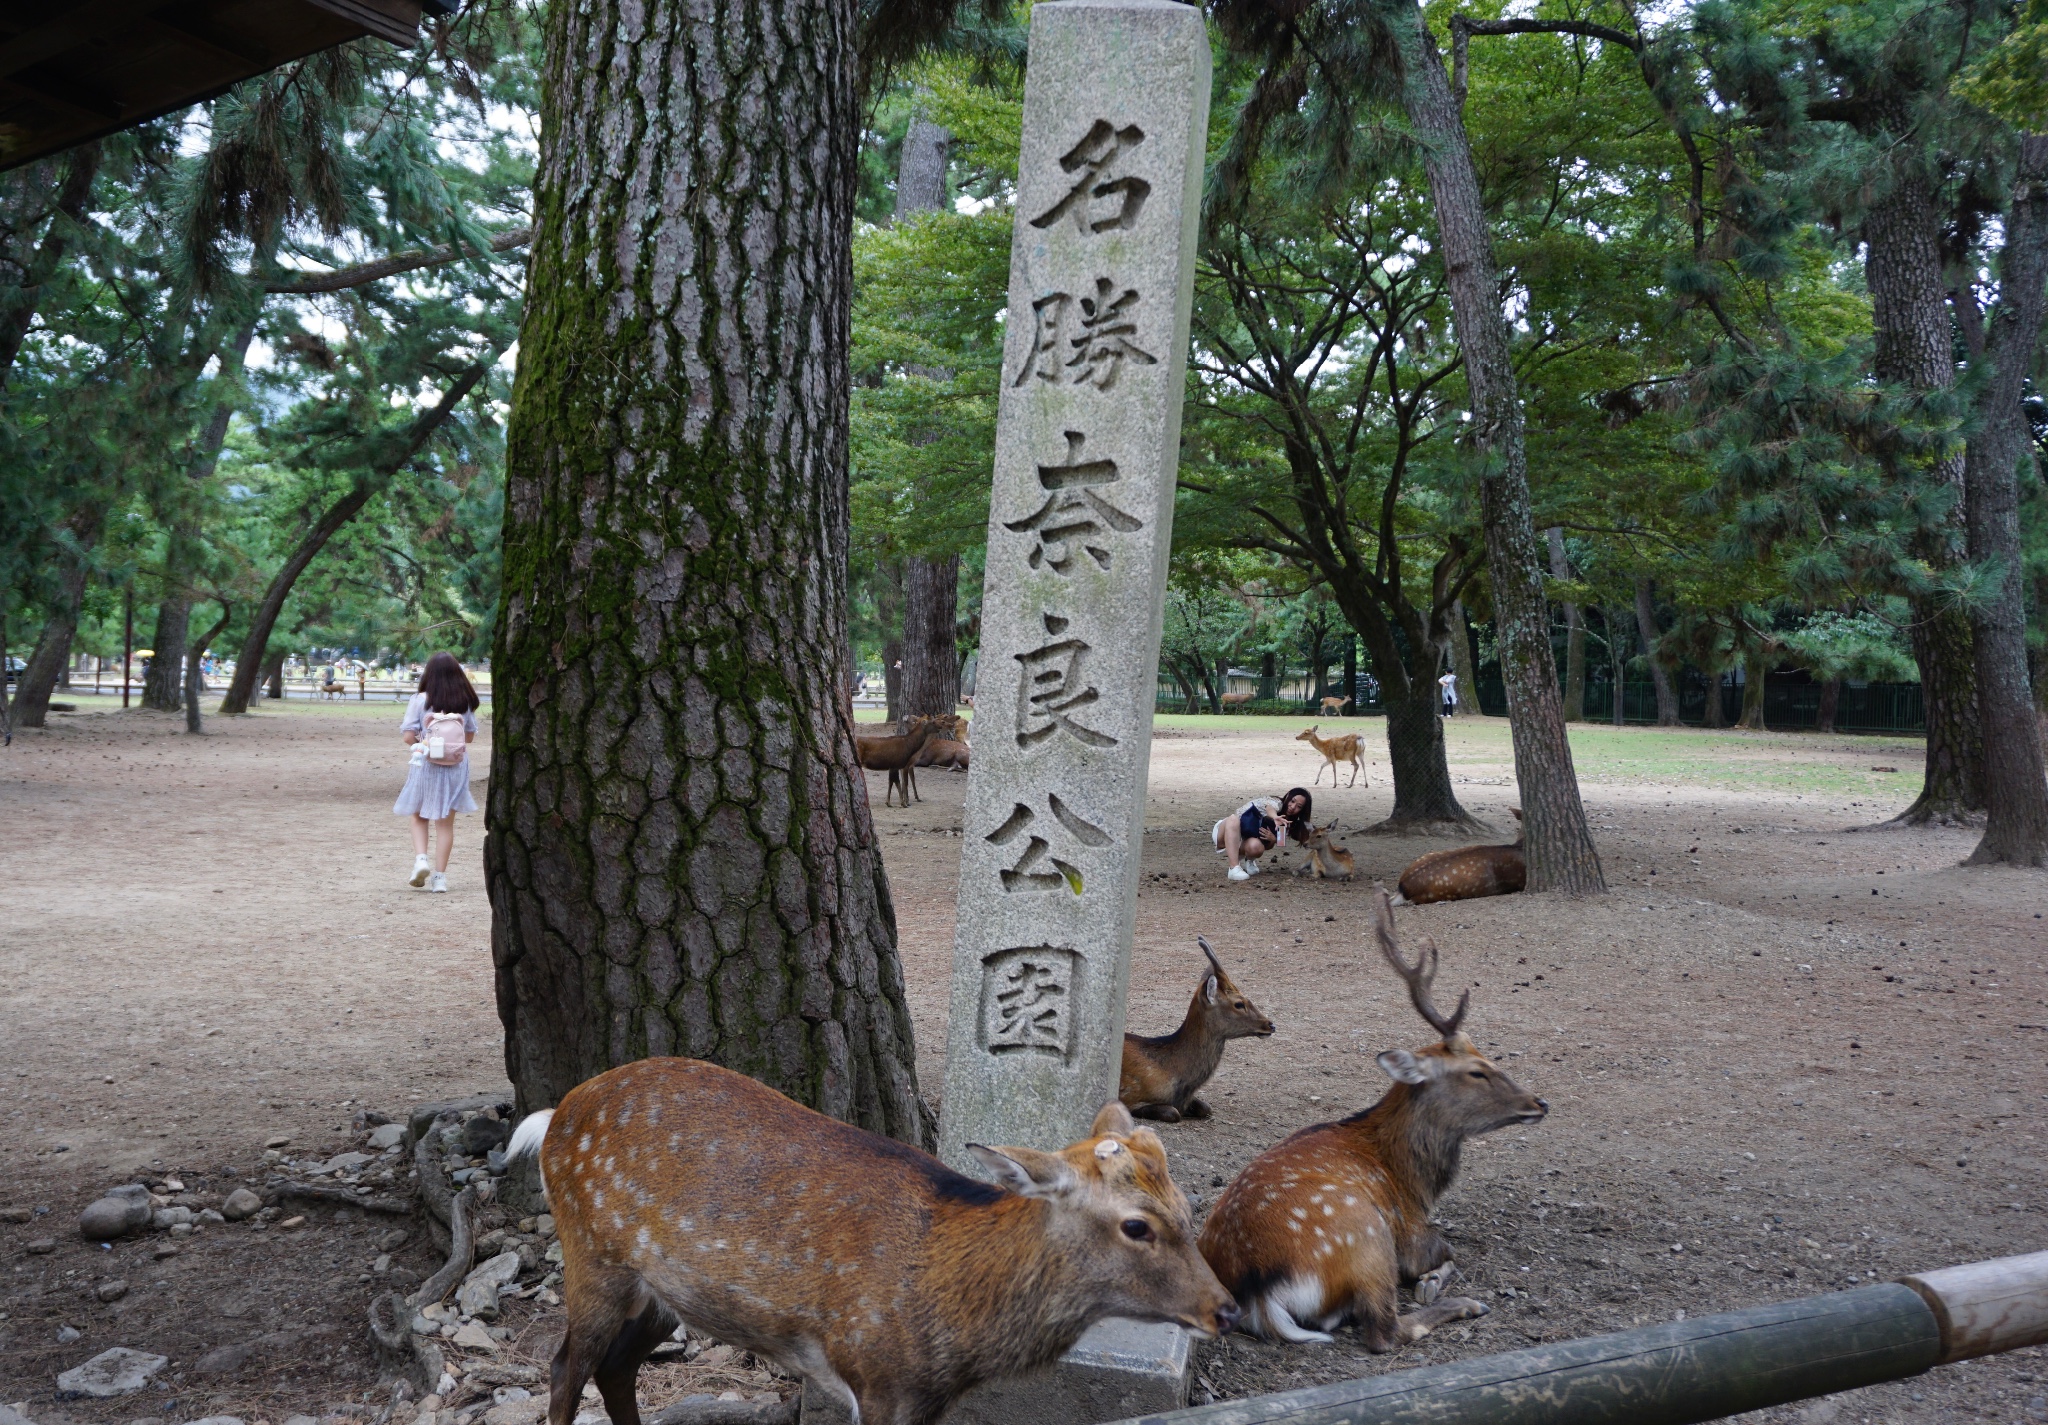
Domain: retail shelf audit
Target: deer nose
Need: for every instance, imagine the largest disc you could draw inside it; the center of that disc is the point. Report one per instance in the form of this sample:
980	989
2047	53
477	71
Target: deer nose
1226	1318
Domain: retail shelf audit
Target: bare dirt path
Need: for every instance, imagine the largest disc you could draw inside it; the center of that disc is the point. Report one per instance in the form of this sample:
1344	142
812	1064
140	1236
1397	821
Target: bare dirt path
1782	1056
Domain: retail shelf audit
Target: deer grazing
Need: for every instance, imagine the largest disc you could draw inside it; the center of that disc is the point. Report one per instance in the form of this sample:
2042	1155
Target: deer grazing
1324	1227
1348	748
1162	1075
686	1192
1326	858
1465	873
1234	700
897	756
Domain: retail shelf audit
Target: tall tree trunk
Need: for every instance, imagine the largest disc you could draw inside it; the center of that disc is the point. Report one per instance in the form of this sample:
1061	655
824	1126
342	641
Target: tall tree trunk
1830	705
1660	676
680	855
53	647
1914	347
1351	672
1425	800
1269	677
1754	671
1616	620
2015	782
1558	842
931	663
162	688
1717	706
1461	661
254	660
20	296
1574	635
195	683
273	674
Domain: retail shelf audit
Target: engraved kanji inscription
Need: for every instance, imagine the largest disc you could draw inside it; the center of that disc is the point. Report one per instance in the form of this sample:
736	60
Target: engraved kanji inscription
1074	519
1027	1000
1052	847
1054	687
1085	340
1101	198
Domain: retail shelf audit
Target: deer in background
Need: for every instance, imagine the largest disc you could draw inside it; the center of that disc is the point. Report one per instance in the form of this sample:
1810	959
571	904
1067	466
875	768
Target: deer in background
1325	1227
1162	1075
897	756
1333	707
1325	857
686	1192
1350	747
1466	873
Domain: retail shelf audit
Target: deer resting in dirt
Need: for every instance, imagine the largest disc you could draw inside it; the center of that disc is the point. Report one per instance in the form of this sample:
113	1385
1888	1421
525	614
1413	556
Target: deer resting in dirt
686	1192
1466	873
1162	1075
897	756
1326	858
1350	747
1326	1226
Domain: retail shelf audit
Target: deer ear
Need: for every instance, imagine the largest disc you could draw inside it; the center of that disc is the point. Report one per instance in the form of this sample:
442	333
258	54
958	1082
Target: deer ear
1402	1067
1026	1171
1209	989
1114	1118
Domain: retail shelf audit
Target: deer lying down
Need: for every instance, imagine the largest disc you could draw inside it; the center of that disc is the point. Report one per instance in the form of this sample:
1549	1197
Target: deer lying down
1326	858
1465	874
1325	1227
1162	1075
685	1191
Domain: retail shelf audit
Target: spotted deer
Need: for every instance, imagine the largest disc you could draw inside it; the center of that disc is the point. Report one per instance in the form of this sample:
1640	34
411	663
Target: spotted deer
1465	873
1348	748
1162	1075
686	1192
1325	1227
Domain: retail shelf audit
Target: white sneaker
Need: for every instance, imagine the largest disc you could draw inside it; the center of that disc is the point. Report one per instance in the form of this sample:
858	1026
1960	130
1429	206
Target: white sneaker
422	867
438	882
1239	873
1252	866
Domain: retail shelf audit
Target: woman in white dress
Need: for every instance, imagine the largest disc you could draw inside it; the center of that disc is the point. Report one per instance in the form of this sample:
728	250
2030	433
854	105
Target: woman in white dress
439	725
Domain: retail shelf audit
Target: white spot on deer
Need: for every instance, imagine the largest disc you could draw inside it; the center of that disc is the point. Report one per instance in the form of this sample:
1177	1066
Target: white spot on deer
1329	1211
1351	1202
583	1144
1300	1212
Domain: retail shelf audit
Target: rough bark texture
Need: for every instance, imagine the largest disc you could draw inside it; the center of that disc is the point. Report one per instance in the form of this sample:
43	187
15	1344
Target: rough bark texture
2015	783
1660	676
254	660
162	684
679	853
1754	669
931	659
1830	704
1574	635
53	647
195	681
273	674
1914	348
1559	844
1461	661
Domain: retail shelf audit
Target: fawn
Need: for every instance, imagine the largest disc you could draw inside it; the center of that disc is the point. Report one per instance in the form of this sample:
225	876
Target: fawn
1465	873
1348	748
1325	856
683	1191
1161	1075
1324	1227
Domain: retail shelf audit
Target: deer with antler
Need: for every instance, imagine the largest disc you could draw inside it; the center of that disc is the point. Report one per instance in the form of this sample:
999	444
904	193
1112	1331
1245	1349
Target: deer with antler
1162	1074
1326	1226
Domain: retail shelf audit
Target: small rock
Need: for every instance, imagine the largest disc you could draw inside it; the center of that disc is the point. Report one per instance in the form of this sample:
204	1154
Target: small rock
67	1334
291	1222
241	1203
181	1229
518	1412
482	1134
343	1163
120	1370
389	1136
9	1416
545	1224
135	1190
505	1394
423	1327
278	1140
165	1218
111	1290
210	1217
391	1241
300	1420
474	1338
165	1249
110	1217
216	1420
225	1360
16	1214
40	1247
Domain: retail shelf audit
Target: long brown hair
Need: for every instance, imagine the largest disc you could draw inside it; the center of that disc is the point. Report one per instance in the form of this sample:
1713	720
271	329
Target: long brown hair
447	687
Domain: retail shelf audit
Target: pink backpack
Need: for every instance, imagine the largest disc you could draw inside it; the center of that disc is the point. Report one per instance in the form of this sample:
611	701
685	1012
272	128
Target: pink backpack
446	737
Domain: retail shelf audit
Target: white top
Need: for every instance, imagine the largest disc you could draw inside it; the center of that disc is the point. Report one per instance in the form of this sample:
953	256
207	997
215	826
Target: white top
1449	683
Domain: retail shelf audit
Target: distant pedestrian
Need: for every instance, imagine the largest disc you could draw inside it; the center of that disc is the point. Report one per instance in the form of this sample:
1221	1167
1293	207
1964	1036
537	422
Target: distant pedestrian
439	725
1449	684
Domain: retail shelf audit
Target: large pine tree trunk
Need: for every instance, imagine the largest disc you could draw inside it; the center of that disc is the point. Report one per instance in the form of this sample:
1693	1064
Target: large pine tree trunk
53	647
680	855
1461	661
1559	844
1574	633
2015	784
1660	676
162	685
931	661
1914	347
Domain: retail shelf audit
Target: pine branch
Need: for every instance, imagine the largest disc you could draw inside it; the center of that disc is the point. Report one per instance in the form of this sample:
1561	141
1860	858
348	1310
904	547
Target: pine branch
343	278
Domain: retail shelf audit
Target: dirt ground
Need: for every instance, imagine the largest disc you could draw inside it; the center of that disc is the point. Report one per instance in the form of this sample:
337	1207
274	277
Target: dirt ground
1786	1054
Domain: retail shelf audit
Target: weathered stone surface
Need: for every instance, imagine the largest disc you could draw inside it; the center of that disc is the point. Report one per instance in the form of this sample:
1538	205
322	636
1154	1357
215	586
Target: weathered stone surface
9	1416
225	1360
388	1136
474	1338
1080	525
478	1295
120	1370
109	1217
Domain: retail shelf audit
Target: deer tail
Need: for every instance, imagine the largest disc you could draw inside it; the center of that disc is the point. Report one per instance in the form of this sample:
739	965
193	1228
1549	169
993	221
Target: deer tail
526	1138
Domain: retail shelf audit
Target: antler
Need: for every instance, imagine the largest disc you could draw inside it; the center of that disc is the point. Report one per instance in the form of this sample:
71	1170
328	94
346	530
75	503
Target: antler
1203	941
1420	975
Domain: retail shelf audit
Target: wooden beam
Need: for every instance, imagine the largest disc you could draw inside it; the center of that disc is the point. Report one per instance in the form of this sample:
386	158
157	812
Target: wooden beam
74	27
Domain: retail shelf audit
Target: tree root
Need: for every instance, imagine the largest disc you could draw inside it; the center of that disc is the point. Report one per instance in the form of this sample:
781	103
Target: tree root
341	1196
710	1410
461	1254
398	1350
1446	826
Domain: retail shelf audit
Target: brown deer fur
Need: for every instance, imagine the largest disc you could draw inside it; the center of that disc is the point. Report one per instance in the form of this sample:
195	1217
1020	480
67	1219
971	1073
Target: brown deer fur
1348	748
897	756
1333	707
1465	873
1162	1075
1325	856
683	1191
945	752
1326	1226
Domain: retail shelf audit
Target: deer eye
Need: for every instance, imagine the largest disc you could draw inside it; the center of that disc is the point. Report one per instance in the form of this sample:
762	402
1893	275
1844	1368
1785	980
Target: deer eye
1477	1073
1137	1229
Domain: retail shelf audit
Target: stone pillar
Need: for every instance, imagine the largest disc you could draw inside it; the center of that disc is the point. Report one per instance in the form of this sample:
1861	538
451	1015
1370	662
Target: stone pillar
1080	524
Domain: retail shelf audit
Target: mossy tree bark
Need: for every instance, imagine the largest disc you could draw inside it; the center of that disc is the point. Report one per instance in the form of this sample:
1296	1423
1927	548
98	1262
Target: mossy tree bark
1559	843
679	853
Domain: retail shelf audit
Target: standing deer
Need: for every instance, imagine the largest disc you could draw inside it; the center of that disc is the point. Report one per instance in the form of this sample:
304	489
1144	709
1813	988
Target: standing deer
1325	856
1333	707
1466	873
1348	748
1325	1226
1162	1075
683	1191
897	756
